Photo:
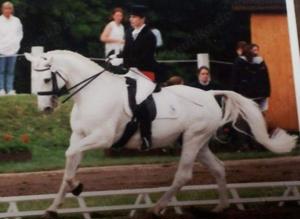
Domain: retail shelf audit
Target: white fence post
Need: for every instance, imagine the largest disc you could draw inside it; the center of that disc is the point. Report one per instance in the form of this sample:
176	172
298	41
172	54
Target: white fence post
35	51
203	60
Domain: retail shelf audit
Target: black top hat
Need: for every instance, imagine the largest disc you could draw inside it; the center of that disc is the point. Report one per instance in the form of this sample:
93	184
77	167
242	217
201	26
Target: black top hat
139	10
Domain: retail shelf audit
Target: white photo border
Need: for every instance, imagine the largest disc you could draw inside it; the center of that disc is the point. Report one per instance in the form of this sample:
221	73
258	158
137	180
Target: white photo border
295	53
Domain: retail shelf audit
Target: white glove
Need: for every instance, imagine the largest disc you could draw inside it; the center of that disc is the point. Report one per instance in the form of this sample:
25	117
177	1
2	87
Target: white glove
113	56
116	61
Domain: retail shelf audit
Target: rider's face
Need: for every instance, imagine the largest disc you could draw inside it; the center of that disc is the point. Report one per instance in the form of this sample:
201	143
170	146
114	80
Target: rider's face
136	21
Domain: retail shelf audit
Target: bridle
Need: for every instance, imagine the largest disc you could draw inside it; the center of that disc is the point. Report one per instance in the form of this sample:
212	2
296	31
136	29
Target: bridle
56	91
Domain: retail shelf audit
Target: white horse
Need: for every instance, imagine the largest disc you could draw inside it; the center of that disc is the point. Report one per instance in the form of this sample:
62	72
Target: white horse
100	114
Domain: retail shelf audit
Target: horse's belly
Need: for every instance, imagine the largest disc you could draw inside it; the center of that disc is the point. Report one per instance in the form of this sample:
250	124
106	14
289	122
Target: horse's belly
164	133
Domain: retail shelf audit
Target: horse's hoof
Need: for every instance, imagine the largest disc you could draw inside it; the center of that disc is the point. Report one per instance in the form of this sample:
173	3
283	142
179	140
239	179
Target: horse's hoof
155	212
50	215
78	190
220	208
151	215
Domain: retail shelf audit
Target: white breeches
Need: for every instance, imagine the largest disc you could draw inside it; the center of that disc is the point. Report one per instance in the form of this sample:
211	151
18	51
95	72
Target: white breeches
144	85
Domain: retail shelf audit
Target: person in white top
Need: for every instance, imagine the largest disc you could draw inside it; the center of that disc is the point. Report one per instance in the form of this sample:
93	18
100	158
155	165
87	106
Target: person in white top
159	39
113	34
11	34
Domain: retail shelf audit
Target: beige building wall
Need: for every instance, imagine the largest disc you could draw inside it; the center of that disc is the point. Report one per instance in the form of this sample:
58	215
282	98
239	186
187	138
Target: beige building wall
270	31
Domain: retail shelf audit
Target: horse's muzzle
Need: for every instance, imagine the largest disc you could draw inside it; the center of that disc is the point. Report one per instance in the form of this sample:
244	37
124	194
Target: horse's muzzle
48	110
54	101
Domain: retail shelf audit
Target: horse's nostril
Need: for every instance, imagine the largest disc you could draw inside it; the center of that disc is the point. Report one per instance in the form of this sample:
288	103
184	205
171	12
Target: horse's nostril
48	109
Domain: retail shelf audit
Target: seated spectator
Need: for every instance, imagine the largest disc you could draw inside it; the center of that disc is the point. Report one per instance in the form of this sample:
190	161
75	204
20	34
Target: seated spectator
204	81
175	80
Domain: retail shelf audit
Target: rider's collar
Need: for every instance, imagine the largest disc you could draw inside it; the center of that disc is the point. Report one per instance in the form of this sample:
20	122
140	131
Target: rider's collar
137	31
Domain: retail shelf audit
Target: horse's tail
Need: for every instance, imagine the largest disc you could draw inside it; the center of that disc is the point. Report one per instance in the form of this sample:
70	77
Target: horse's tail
236	105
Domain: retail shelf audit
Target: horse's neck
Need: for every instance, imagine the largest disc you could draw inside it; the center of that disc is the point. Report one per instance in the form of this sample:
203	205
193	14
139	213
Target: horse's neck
76	71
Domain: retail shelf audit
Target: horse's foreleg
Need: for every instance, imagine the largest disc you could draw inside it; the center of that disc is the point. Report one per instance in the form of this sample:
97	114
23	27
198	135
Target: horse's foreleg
73	156
216	168
184	172
98	139
72	163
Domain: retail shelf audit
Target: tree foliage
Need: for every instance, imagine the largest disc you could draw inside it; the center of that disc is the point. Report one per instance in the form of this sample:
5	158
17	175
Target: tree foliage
188	27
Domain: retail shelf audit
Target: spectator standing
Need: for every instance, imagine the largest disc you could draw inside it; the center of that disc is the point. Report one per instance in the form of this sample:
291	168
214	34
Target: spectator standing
113	34
251	77
158	36
255	49
11	34
240	47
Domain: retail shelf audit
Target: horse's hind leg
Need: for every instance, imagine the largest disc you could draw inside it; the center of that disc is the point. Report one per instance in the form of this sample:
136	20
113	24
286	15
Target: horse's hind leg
216	168
191	146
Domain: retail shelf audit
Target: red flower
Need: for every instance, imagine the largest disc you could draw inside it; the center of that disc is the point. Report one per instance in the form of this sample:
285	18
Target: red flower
7	137
25	138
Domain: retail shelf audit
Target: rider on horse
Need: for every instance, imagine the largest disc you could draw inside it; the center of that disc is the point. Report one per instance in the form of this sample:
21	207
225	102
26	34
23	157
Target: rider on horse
138	57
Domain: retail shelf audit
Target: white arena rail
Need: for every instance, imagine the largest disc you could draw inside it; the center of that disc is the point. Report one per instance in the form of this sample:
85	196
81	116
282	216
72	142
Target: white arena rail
144	201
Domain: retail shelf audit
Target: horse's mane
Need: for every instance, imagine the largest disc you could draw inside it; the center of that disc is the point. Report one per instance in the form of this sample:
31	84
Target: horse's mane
81	58
75	55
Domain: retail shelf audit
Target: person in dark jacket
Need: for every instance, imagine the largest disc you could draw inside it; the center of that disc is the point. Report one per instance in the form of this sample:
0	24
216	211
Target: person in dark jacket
204	81
138	58
140	44
250	79
250	75
240	46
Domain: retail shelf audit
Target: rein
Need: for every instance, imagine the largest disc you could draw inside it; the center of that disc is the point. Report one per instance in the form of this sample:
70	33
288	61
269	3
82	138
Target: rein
58	92
84	82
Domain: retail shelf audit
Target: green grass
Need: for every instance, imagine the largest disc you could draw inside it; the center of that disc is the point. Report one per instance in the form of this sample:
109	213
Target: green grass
49	137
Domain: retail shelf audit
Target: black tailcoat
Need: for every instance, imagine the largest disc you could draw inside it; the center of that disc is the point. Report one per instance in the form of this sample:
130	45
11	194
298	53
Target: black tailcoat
140	52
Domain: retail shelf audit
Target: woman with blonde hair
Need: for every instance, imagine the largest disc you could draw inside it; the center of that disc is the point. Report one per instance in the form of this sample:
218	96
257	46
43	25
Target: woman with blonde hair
113	34
11	34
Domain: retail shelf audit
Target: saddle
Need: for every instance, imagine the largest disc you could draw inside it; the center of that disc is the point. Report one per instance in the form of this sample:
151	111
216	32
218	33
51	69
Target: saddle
142	116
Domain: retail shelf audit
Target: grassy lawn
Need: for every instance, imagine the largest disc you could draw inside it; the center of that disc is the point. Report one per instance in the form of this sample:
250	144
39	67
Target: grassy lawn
49	136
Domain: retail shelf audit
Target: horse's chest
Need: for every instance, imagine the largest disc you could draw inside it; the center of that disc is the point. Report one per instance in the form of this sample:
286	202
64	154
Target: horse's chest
87	122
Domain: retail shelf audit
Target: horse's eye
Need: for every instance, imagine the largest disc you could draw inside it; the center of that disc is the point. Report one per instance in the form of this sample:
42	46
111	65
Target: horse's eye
47	80
44	58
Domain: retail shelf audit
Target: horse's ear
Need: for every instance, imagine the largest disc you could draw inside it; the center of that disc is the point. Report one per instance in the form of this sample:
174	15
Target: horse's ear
28	56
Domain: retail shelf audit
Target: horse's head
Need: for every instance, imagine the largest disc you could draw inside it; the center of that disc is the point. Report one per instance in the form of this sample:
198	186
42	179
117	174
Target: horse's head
46	80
